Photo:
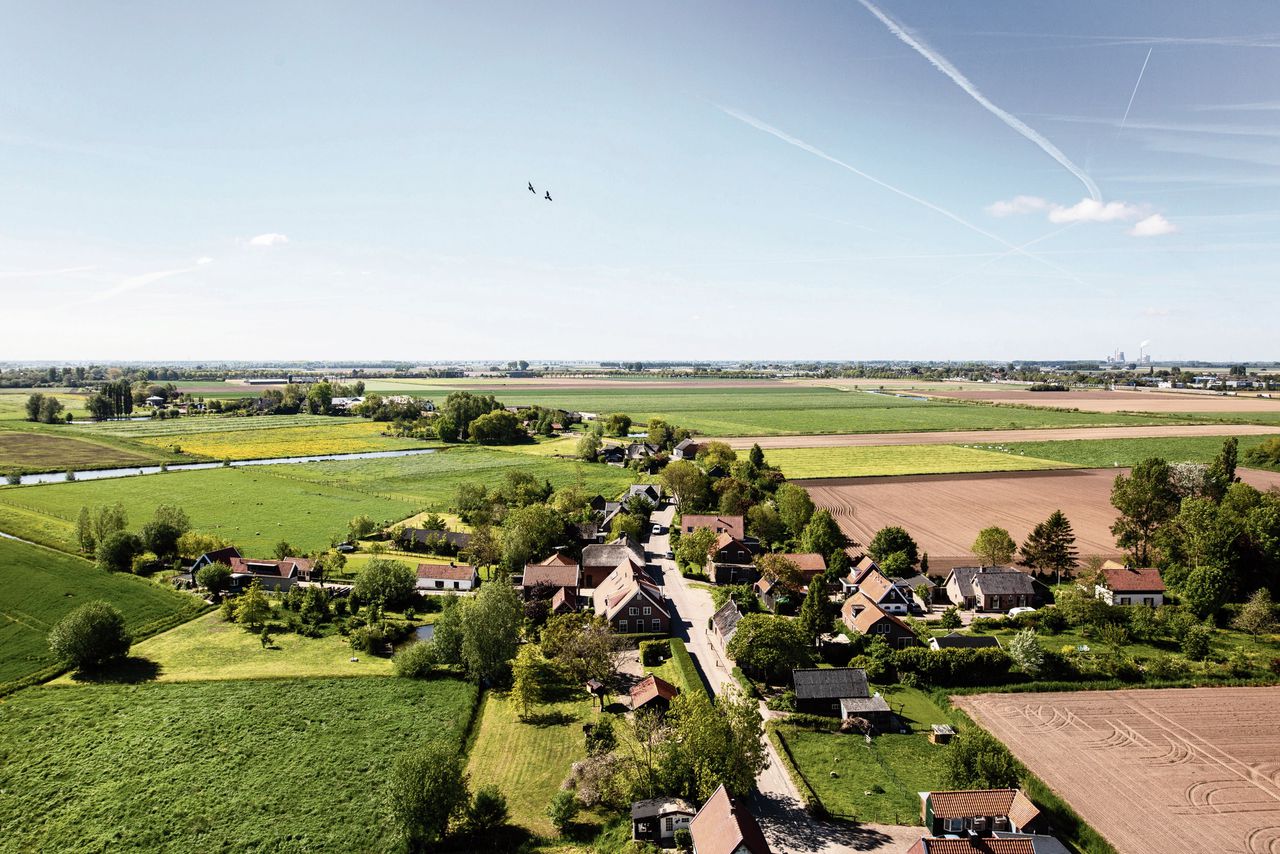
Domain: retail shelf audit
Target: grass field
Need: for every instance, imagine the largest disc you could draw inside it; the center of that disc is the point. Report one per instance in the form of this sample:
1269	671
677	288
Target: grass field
13	404
205	424
254	507
39	586
886	460
31	451
1100	453
529	760
277	765
346	436
211	648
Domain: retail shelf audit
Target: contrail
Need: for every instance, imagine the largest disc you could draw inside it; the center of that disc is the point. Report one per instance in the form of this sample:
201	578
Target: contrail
941	63
984	265
1134	94
817	152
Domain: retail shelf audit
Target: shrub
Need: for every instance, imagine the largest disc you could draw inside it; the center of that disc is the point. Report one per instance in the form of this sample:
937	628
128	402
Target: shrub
487	811
1195	642
90	636
953	668
1165	667
654	652
417	660
784	702
950	618
1052	620
562	810
684	839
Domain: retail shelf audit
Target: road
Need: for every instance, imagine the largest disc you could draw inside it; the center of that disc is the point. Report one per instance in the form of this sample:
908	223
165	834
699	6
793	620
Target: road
988	437
778	807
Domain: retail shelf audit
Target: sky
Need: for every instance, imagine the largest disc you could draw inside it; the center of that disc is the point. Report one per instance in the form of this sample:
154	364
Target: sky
736	180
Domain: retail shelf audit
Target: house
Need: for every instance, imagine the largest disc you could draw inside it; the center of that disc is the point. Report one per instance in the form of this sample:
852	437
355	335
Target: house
564	602
653	693
979	812
428	538
641	451
438	577
278	575
891	596
731	525
812	565
224	555
155	400
657	819
685	449
917	581
1125	585
1040	843
345	404
630	601
724	622
955	640
839	692
990	588
864	616
600	559
971	845
731	561
724	825
651	492
543	578
861	568
614	455
768	592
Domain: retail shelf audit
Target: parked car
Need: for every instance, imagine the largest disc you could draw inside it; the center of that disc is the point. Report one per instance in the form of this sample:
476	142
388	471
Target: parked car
657	529
671	555
1013	612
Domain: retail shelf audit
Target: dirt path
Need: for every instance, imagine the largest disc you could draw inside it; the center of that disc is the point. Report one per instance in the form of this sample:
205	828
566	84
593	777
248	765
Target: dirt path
963	437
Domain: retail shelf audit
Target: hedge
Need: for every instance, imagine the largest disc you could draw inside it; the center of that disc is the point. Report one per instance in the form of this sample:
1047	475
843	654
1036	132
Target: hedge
812	803
684	663
953	667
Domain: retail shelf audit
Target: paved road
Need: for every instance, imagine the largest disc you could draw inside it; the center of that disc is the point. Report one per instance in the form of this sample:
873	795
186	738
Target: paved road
778	807
988	437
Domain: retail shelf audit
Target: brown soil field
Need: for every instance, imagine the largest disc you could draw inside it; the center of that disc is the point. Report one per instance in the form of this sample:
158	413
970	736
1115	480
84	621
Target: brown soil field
945	512
997	437
1120	401
1153	771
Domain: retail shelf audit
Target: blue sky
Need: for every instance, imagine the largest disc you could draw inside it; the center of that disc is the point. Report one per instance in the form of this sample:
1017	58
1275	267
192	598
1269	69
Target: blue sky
836	180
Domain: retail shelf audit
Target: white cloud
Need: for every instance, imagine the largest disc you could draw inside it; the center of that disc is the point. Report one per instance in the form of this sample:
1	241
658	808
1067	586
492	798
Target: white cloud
269	239
1153	226
1017	205
204	259
1089	210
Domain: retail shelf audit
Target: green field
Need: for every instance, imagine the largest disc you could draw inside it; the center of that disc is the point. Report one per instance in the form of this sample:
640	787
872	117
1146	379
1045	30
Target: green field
337	437
885	460
39	586
192	425
277	765
32	451
13	404
1104	453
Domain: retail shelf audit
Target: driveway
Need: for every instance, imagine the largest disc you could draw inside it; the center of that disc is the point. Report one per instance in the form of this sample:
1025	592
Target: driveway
789	829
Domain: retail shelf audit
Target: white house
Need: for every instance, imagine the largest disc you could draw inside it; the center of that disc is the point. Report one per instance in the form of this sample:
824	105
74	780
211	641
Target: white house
1123	585
452	578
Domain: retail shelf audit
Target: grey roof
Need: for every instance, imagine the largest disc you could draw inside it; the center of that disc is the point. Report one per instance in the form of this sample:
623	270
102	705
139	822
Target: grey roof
612	553
915	581
955	640
830	683
652	491
996	583
1040	843
859	706
658	807
726	618
964	576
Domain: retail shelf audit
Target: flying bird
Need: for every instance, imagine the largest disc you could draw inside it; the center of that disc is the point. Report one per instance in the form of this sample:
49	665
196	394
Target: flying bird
548	196
531	190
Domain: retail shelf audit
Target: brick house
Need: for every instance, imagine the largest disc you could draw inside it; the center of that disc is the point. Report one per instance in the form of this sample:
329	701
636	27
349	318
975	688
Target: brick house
630	601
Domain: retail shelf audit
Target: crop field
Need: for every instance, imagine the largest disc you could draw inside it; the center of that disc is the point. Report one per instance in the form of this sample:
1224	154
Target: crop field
1123	401
1100	453
275	765
1199	765
40	451
945	512
13	404
38	587
431	480
899	460
192	425
254	507
983	438
343	437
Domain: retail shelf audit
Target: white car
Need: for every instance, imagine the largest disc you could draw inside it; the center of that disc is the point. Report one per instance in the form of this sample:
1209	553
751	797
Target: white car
657	529
1013	612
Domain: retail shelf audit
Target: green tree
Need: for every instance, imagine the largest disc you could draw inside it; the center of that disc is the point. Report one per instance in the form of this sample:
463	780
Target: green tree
161	534
417	660
795	507
720	742
426	790
1050	547
448	633
694	546
84	532
108	520
1026	652
529	533
34	402
315	605
617	424
527	680
1205	590
50	410
626	525
661	433
765	523
975	760
581	644
890	540
214	577
90	636
491	632
895	565
116	552
994	546
1147	502
320	398
488	811
687	483
712	454
589	447
562	811
1258	615
756	456
1196	642
498	428
283	550
822	534
252	608
951	618
781	570
360	527
769	647
815	614
385	583
1222	471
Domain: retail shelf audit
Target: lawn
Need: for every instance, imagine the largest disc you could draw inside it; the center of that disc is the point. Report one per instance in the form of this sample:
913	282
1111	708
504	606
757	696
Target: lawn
1102	453
211	648
344	436
529	760
901	765
188	425
679	669
887	460
32	451
13	404
254	507
914	706
38	586
276	765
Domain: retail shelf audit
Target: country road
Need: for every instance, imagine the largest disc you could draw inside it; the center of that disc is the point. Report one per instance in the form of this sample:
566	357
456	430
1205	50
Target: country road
987	437
777	803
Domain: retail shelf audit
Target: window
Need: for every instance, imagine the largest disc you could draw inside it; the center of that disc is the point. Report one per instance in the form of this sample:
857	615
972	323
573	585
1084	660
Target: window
657	624
632	612
670	824
647	610
439	584
954	825
1124	600
1149	601
622	625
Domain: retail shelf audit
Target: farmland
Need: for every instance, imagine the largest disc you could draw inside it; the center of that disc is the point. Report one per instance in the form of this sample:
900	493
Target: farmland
1122	401
203	424
274	765
1100	453
337	437
39	586
898	460
1199	764
25	451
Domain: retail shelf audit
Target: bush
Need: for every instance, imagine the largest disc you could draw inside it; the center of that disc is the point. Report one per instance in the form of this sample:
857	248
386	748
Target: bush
90	636
954	668
784	702
487	811
417	660
562	810
367	639
684	839
1166	668
1195	642
1052	620
950	618
654	652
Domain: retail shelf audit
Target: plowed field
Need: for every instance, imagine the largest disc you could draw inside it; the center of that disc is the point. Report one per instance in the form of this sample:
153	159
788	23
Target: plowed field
1121	401
1158	771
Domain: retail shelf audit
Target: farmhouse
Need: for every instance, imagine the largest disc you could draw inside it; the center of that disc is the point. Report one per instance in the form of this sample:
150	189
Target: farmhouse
658	819
225	555
547	578
277	575
724	622
838	692
685	449
1123	585
654	694
990	588
730	561
630	601
614	455
812	565
600	559
650	492
865	617
861	568
438	577
724	825
980	812
731	525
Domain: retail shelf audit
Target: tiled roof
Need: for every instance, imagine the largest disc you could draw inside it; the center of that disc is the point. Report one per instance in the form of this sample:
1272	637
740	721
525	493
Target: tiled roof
829	683
651	688
286	568
223	555
724	826
554	576
564	600
658	807
984	802
558	559
726	618
612	553
955	640
808	561
964	576
972	845
1125	580
623	585
860	614
446	573
730	524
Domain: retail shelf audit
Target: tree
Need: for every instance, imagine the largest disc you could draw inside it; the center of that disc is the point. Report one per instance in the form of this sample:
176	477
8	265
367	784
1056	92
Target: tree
107	520
385	583
765	524
756	456
283	550
626	525
529	533
617	424
720	742
315	606
1258	615
890	540
589	447
214	577
1147	502
1222	471
781	570
498	428
49	410
192	544
815	614
360	526
769	646
90	636
694	546
527	683
951	618
84	532
795	507
896	565
687	483
252	609
1050	547
580	643
484	549
1196	642
34	402
975	760
320	398
426	790
994	546
161	534
712	454
822	535
562	810
448	633
1026	652
661	433
116	552
488	811
1206	590
491	632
